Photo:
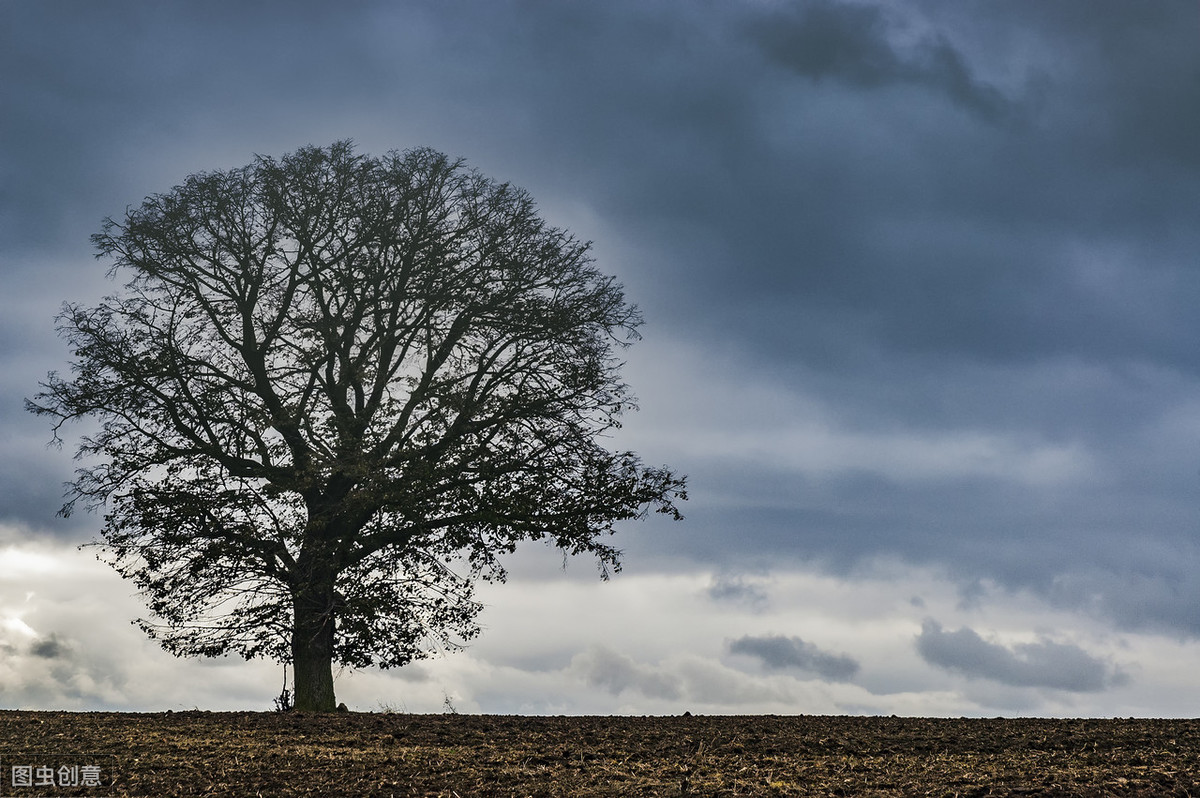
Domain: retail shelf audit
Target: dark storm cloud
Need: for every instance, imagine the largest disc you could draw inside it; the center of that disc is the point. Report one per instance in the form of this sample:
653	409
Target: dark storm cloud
1058	666
913	227
936	220
851	43
867	213
778	652
96	93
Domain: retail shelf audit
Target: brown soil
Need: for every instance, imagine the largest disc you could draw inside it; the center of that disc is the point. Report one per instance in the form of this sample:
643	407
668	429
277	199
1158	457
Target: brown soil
294	754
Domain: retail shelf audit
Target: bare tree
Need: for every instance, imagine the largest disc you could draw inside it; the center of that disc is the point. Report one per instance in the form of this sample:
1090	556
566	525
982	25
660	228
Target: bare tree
333	384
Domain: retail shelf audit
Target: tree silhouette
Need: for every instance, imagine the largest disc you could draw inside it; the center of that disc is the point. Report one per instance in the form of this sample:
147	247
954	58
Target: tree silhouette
334	390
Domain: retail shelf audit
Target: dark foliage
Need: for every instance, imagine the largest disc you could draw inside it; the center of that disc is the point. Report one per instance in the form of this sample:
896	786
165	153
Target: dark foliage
334	391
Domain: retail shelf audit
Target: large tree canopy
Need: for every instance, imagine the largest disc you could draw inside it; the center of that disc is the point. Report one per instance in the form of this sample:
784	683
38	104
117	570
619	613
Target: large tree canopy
334	390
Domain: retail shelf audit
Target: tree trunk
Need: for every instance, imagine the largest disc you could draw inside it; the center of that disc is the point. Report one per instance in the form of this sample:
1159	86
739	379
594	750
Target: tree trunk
312	646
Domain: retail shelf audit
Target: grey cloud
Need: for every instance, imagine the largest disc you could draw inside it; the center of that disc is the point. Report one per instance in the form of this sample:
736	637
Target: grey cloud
33	472
830	39
1155	589
49	648
1118	541
850	42
739	590
602	667
103	89
885	225
1058	666
777	652
1131	69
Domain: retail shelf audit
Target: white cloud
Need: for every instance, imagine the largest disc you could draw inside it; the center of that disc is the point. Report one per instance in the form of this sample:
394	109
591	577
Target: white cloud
565	643
69	643
655	644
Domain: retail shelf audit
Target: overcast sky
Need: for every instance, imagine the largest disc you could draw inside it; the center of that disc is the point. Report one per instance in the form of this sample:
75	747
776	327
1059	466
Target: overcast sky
920	281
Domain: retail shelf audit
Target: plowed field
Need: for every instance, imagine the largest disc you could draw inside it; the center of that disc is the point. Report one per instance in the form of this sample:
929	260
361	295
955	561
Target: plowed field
294	754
